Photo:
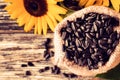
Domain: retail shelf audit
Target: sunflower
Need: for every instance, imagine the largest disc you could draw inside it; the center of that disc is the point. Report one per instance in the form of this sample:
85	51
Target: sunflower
37	14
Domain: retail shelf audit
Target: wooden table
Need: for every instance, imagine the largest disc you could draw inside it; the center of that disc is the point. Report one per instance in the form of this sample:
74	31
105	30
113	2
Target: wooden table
18	47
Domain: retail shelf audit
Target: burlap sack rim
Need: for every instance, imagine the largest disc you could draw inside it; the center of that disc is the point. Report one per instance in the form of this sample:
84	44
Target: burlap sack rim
60	59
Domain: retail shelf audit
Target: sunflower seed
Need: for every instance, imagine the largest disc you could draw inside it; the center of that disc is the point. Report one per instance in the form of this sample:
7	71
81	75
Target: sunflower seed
118	36
79	21
64	34
24	65
76	34
66	43
69	30
55	70
63	47
73	26
84	62
82	28
92	34
79	49
109	41
98	23
70	75
79	62
46	68
97	35
52	53
83	16
92	50
88	35
30	64
109	30
89	18
85	44
47	42
79	30
89	62
75	59
46	55
41	70
103	43
92	29
115	43
28	73
104	17
101	32
113	36
109	51
94	67
77	42
98	17
95	27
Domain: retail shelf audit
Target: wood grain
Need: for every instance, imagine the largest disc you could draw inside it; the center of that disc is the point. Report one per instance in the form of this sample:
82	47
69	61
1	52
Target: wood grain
18	47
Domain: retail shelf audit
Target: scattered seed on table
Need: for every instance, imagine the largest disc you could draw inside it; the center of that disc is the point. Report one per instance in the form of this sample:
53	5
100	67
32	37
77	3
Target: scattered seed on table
23	65
46	55
52	53
70	75
30	64
47	43
55	70
28	73
46	68
41	70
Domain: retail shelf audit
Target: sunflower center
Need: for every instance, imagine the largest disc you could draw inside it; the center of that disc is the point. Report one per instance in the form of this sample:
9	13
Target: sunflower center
36	7
33	6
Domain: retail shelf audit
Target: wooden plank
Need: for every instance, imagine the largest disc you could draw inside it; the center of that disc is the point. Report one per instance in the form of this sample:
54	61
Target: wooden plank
18	47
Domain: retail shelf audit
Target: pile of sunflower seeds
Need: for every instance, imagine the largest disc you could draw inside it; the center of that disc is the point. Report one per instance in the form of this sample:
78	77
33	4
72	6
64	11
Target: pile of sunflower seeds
55	69
47	53
90	40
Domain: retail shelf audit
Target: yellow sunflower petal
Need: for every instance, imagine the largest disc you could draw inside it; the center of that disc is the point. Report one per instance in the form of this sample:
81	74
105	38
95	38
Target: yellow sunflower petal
8	0
58	0
57	9
21	19
98	2
36	27
39	24
51	1
30	24
13	6
52	18
16	14
8	7
44	25
106	3
14	1
116	5
11	9
50	23
58	17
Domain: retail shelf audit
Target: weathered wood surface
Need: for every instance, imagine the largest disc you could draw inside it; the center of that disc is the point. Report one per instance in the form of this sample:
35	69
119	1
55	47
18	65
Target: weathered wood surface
18	47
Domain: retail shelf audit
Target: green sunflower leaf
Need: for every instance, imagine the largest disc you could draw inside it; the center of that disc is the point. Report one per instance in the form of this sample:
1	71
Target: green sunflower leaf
113	74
